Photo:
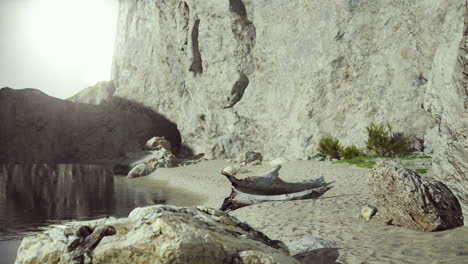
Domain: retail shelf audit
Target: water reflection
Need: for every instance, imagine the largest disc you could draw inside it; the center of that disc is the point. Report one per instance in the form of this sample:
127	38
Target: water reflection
37	194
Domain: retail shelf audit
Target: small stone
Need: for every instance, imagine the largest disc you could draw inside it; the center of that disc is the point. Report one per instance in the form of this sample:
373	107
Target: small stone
250	157
278	161
231	170
308	243
157	143
367	212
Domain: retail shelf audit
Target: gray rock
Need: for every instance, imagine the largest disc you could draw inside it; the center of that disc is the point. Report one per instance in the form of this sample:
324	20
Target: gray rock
367	212
163	158
166	234
308	243
146	162
413	200
141	170
250	157
156	143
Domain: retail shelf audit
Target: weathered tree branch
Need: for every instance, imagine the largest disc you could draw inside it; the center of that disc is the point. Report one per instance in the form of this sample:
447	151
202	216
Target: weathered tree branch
270	187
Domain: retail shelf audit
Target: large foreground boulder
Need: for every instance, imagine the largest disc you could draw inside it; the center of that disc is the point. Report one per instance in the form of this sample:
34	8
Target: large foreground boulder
157	234
413	200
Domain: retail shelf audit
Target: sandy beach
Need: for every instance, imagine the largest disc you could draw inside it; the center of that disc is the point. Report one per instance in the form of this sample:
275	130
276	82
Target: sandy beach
331	217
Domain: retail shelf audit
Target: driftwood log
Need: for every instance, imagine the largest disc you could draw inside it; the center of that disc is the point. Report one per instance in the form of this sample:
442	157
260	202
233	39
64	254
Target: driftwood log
270	187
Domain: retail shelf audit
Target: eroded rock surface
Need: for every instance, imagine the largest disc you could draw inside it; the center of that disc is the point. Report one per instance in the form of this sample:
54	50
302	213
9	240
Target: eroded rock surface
165	234
410	199
276	76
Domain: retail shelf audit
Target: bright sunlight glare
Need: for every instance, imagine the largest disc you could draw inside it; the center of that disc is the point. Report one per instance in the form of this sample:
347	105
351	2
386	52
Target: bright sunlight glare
69	42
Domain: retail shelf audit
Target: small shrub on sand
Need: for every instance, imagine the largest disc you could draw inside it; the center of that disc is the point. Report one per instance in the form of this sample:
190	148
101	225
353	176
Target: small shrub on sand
383	141
329	147
351	152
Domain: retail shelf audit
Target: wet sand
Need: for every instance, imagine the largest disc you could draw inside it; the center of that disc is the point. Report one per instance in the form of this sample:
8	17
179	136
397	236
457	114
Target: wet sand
331	217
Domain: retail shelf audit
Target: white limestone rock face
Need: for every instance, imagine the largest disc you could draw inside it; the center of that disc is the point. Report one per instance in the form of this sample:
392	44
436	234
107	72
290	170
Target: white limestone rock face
276	76
165	234
447	100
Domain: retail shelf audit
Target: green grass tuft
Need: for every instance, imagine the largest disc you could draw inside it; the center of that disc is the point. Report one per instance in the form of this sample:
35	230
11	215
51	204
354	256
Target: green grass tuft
415	157
360	161
423	171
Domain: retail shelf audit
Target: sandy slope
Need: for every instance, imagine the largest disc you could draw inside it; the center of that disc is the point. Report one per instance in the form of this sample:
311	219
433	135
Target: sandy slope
332	217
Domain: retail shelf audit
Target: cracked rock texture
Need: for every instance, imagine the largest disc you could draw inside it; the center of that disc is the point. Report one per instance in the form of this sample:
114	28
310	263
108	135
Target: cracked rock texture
413	200
291	71
164	234
447	100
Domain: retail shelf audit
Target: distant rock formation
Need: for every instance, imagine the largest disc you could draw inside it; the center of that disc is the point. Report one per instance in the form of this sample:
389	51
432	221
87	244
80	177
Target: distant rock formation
96	94
159	234
413	200
36	128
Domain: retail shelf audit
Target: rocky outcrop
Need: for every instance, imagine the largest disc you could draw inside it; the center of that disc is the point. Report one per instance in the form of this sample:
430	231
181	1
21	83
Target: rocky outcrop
140	170
278	76
142	163
249	157
163	234
413	200
96	94
447	100
36	128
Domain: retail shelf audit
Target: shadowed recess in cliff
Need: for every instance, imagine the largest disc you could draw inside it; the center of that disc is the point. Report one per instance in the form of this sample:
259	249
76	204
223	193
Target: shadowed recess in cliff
196	67
245	34
39	128
237	91
238	7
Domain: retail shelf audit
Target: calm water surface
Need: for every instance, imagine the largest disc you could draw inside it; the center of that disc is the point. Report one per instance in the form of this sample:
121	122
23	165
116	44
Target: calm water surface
36	195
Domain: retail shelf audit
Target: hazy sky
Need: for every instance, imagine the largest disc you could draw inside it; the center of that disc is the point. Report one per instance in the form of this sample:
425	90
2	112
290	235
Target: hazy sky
57	46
